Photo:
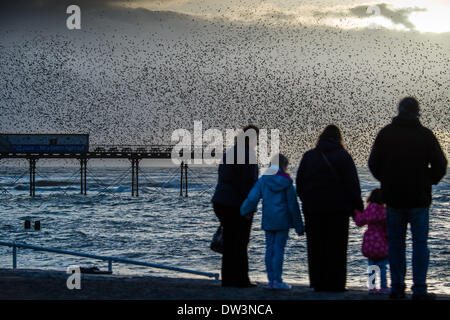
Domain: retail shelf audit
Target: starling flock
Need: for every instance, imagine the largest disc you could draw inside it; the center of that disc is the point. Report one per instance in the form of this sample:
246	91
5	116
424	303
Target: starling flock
133	76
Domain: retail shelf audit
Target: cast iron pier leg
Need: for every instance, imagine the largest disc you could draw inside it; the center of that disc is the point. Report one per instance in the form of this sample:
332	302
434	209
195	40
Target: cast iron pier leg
83	171
186	179
81	175
32	176
137	176
85	179
132	177
181	178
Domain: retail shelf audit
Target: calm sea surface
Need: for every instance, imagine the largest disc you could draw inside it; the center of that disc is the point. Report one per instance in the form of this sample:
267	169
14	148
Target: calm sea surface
162	227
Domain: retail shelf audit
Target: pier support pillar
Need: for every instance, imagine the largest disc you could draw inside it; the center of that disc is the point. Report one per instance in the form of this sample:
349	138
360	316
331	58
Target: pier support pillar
83	171
132	177
181	178
32	162
85	174
135	176
186	179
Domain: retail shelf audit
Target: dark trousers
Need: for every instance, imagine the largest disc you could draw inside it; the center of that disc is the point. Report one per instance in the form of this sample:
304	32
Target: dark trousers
397	223
327	240
236	236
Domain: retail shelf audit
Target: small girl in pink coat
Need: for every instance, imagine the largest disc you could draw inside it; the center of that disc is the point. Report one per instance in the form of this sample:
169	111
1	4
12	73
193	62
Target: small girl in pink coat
375	244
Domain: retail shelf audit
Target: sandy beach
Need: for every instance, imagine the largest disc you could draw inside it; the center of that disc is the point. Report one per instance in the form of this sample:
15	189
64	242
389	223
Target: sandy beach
30	284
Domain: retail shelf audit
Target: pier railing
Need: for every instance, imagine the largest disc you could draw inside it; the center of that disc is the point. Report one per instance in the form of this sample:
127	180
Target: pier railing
110	260
127	149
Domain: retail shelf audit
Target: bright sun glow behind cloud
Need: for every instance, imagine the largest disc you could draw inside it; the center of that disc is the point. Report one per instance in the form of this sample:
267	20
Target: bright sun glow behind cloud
430	16
436	19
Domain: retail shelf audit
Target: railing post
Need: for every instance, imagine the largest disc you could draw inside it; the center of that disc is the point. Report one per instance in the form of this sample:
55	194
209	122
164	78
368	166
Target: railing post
14	257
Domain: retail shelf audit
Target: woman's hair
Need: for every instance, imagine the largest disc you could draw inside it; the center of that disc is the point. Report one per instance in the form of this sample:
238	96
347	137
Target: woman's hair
331	132
376	196
283	162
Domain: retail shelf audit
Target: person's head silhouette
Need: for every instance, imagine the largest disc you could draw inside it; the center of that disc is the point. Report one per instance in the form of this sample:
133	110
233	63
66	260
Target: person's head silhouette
408	108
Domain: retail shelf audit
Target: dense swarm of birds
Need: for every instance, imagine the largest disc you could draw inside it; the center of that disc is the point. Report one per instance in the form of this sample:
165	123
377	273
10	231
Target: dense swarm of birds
134	77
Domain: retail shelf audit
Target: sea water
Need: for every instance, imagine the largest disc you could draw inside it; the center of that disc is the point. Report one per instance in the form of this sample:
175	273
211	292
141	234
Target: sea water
160	226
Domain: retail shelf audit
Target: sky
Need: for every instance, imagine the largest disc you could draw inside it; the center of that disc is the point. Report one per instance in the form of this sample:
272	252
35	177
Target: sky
420	15
137	70
423	16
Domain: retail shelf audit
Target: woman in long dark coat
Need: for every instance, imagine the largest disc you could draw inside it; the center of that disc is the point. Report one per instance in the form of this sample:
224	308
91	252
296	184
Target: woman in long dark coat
234	183
328	186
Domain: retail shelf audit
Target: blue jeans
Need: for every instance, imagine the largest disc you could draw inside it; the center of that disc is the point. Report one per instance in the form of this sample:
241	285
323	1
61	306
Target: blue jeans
382	264
397	222
275	243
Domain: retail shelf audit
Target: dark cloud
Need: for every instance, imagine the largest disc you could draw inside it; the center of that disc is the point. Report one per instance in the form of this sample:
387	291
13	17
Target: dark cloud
53	4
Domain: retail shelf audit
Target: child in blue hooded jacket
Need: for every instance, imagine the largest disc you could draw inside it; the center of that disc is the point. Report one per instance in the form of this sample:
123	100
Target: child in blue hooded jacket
280	213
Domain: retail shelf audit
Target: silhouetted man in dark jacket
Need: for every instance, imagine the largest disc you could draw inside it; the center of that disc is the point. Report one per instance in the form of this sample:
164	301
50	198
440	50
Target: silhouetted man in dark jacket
407	159
235	182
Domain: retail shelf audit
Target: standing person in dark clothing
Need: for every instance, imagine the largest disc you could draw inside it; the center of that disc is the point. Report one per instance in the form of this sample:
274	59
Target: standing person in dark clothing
235	182
328	185
407	159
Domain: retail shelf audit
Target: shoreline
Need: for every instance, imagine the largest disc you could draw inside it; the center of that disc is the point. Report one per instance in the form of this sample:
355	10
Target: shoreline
36	284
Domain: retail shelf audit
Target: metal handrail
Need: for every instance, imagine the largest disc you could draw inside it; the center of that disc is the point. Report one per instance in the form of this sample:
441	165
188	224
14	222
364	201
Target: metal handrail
110	260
